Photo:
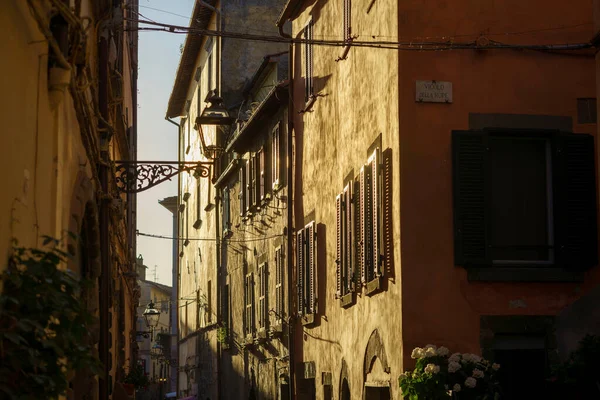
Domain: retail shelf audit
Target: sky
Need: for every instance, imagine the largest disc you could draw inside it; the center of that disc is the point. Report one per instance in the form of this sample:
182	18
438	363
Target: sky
157	138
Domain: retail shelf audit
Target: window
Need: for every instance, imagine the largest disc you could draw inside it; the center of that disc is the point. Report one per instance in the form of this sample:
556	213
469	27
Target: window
249	303
187	221
263	309
306	243
210	72
226	212
242	192
208	302
308	62
225	308
358	230
279	301
345	241
250	183
370	218
586	111
262	176
524	199
276	164
198	222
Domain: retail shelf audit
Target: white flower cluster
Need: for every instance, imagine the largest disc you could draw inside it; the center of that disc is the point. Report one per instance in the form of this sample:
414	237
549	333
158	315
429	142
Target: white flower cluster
470	382
432	369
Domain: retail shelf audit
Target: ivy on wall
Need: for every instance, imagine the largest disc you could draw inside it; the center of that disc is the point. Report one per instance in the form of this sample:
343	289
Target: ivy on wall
45	327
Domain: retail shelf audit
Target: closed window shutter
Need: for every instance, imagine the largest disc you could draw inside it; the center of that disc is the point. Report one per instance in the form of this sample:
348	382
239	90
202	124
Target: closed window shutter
576	236
246	304
367	235
363	228
252	304
262	176
248	190
262	303
242	191
357	239
279	284
275	156
375	164
347	18
349	239
310	57
300	269
311	255
308	60
471	195
339	240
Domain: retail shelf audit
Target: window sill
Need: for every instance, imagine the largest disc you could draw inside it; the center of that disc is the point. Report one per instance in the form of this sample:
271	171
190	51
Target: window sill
347	300
523	274
373	286
308	319
276	330
261	336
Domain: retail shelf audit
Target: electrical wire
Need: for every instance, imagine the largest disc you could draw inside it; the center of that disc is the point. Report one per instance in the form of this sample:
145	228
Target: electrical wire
445	37
394	45
206	239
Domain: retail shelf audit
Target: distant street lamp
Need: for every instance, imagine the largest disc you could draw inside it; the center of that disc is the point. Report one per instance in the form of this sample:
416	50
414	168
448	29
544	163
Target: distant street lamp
151	315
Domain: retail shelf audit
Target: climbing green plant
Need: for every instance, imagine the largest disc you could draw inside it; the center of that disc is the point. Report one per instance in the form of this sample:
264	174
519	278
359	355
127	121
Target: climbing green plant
45	327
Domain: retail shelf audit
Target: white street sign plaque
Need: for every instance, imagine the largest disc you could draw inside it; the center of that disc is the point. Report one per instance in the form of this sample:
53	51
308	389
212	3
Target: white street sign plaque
434	92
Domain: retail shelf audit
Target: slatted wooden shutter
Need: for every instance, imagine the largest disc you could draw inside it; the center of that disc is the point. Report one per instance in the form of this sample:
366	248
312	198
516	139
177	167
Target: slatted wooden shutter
375	165
252	304
300	268
262	173
308	60
279	283
262	296
363	226
471	198
312	267
357	226
347	19
248	191
349	238
339	242
575	222
247	313
276	157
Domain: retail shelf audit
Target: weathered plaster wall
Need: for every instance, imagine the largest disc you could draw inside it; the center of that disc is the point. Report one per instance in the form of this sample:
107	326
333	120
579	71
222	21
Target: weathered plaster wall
357	103
254	241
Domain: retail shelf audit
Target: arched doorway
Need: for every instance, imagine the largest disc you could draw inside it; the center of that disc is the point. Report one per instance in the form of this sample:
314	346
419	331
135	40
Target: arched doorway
345	395
344	385
84	245
376	371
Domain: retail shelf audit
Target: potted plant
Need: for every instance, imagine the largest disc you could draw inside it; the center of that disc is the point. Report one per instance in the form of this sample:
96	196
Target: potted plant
440	375
136	377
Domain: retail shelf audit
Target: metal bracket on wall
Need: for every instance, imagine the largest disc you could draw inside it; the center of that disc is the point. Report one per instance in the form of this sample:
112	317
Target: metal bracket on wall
137	176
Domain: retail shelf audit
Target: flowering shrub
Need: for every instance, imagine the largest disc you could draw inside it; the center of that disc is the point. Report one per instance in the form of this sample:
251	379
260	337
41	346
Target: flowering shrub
441	375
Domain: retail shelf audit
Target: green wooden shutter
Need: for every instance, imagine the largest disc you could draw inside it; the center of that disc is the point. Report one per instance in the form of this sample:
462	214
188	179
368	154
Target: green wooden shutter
471	198
575	223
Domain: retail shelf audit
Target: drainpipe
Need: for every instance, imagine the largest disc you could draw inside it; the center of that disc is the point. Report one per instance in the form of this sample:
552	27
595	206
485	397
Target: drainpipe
103	345
175	272
290	222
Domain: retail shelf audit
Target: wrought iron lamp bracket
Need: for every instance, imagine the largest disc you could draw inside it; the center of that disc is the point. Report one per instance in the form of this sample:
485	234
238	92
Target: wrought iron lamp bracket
137	176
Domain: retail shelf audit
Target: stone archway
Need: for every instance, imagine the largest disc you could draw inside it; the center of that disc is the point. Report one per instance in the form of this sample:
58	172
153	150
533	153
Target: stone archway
344	384
84	244
376	370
